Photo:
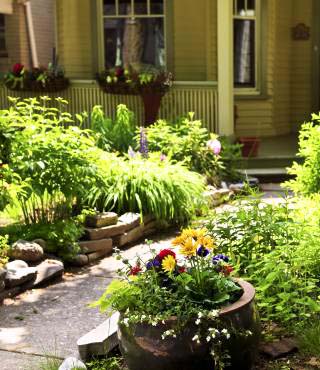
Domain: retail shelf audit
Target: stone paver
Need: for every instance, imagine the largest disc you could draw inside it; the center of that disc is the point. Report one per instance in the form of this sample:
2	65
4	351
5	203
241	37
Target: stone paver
51	320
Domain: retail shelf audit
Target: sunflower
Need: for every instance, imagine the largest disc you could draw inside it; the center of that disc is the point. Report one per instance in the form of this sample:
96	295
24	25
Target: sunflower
189	247
207	242
169	263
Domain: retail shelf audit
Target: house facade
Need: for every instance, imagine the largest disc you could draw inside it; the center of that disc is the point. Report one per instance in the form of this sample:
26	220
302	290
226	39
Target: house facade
246	67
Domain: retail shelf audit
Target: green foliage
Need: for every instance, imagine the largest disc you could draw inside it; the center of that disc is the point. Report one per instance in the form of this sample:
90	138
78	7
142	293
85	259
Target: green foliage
112	363
4	249
277	247
117	134
53	165
307	175
186	141
61	236
309	339
150	186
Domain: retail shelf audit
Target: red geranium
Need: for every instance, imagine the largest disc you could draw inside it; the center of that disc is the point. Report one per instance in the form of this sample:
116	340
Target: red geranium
227	269
17	69
164	253
135	270
182	269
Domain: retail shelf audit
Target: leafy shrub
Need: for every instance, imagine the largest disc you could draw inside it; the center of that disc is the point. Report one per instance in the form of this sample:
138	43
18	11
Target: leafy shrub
186	141
150	186
61	236
4	249
277	247
117	134
307	175
53	165
111	363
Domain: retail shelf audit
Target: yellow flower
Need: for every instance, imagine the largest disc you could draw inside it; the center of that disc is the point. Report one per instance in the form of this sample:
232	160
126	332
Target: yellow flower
206	242
168	263
189	248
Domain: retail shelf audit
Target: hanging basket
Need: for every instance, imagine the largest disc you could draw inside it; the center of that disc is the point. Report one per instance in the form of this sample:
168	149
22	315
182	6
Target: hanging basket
52	85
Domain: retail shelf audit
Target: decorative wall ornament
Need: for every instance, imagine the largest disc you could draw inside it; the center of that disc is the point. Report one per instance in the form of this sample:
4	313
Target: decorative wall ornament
301	32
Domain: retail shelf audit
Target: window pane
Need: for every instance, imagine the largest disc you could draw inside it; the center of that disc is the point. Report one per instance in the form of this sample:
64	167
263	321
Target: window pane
137	42
140	7
244	53
157	7
125	7
109	7
251	8
241	10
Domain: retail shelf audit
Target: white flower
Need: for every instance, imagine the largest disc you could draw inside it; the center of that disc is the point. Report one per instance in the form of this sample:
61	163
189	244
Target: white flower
208	338
213	335
224	331
126	322
212	314
198	321
228	336
195	338
200	314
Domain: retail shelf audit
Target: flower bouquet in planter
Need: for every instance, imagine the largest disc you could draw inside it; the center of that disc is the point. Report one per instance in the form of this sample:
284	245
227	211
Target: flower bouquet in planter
151	84
181	309
43	79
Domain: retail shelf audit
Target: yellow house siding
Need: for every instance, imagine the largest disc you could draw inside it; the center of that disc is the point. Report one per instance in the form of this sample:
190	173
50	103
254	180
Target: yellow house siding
211	36
190	40
301	67
75	38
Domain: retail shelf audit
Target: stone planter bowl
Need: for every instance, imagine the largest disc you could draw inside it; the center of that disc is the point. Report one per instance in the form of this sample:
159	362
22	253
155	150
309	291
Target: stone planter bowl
143	348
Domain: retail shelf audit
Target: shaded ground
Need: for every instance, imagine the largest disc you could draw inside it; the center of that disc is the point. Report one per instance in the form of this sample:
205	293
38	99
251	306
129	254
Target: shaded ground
51	320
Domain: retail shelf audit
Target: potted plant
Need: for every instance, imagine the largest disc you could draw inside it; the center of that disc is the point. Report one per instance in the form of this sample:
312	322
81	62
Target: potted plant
150	84
43	79
184	311
250	146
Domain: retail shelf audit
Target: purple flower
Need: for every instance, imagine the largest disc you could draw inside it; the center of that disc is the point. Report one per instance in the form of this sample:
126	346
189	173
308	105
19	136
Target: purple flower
163	157
153	263
202	252
220	258
131	152
214	146
143	143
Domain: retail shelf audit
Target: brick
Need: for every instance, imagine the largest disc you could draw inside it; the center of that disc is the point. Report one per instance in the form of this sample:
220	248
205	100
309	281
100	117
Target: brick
131	219
101	340
90	246
106	232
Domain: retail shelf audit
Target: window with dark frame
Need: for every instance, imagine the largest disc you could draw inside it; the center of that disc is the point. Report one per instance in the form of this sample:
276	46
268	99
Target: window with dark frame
134	33
245	37
3	49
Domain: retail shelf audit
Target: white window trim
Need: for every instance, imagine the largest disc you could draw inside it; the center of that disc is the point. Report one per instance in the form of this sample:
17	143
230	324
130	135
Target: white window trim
257	89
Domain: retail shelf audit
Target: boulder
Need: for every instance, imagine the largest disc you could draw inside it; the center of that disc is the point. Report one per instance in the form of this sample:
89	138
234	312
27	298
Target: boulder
48	270
41	242
101	219
80	260
2	285
26	251
20	276
2	274
71	363
17	264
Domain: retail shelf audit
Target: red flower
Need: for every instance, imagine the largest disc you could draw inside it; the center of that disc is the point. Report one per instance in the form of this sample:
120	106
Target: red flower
119	71
227	269
17	69
164	253
182	269
135	270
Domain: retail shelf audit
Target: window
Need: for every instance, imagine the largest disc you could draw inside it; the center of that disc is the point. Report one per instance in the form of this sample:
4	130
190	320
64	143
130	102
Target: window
246	35
3	50
134	33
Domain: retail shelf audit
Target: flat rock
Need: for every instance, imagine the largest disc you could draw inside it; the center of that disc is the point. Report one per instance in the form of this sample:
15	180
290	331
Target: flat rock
17	264
131	219
100	340
101	219
106	232
97	255
72	363
280	348
48	270
129	237
89	246
26	251
80	260
20	276
10	293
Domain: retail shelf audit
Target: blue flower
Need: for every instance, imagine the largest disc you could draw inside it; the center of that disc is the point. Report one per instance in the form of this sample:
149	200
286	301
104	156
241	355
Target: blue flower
202	252
153	263
143	143
220	258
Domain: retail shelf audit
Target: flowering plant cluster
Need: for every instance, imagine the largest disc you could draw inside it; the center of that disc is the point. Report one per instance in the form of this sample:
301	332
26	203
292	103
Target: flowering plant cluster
189	281
49	78
121	80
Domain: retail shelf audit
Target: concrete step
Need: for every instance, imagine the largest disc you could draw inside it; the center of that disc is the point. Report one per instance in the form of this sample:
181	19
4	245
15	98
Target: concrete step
269	162
275	174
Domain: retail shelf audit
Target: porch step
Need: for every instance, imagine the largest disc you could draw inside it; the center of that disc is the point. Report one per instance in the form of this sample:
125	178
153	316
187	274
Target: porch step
275	174
269	162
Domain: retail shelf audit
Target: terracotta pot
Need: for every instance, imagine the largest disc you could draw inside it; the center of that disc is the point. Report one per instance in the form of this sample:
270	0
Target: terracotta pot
143	348
250	146
151	102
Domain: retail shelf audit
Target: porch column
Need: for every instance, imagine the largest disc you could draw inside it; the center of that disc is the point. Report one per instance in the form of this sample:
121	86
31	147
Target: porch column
225	68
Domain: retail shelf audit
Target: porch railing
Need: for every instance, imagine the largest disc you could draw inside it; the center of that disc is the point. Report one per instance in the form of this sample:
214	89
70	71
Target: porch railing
184	97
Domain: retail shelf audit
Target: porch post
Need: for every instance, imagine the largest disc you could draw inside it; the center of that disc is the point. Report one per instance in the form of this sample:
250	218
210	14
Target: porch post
225	68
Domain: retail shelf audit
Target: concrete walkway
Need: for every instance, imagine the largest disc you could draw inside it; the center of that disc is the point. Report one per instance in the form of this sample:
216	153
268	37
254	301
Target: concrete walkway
49	321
